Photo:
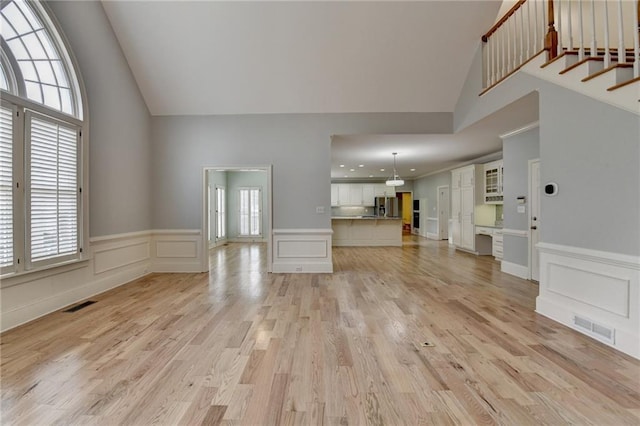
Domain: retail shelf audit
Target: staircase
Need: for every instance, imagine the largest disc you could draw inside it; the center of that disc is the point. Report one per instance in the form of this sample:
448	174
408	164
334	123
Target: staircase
525	39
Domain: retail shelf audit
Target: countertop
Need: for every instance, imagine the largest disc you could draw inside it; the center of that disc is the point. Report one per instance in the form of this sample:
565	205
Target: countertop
366	217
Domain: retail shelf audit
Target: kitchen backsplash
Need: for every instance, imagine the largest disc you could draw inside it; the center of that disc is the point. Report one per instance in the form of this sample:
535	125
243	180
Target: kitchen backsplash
352	211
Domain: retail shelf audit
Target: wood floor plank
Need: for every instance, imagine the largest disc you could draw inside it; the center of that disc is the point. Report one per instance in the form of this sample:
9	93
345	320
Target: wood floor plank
238	346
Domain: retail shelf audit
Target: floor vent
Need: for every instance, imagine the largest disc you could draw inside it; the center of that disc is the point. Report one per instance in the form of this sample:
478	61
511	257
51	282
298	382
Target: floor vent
80	306
598	331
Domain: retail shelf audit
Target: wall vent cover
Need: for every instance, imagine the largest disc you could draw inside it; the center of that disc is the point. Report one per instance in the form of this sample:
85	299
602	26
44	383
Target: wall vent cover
80	306
595	330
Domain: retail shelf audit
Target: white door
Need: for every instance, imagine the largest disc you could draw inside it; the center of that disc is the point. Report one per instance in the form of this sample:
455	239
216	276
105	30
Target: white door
210	214
534	217
467	206
443	212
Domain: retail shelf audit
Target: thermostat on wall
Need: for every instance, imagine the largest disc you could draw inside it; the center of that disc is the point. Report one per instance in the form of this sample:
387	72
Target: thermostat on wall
551	189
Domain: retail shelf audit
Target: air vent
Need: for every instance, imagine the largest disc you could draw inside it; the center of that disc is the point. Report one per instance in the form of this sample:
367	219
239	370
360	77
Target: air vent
595	330
80	306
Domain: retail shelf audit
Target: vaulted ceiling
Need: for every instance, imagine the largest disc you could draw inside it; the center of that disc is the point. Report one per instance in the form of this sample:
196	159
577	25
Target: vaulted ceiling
262	57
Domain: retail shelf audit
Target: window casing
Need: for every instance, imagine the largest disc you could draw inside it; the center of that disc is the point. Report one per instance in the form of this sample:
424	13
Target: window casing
221	213
42	155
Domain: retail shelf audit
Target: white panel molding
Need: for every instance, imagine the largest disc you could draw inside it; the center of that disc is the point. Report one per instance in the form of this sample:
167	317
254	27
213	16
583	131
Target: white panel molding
176	250
515	232
601	286
108	259
302	251
520	271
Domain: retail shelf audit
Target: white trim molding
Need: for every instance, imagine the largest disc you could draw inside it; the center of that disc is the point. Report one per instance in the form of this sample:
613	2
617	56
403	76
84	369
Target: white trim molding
302	251
176	250
520	271
601	286
515	232
523	129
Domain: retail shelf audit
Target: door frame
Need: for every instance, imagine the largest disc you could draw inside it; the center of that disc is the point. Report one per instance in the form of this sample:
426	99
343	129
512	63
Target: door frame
530	248
267	225
448	212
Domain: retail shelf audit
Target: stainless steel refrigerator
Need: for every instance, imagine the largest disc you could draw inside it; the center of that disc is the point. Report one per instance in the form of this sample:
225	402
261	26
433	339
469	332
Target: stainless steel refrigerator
387	207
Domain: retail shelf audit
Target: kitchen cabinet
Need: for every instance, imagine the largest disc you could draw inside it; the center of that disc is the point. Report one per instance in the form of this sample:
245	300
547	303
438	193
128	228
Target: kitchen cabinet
334	195
466	185
352	194
496	249
382	190
493	174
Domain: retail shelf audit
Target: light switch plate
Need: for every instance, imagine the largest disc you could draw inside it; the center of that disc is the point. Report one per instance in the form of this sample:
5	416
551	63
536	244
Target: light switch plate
521	209
320	209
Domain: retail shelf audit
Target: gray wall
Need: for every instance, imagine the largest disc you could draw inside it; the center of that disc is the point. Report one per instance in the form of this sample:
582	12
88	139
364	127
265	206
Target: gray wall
592	151
297	145
517	150
588	147
119	122
236	180
427	187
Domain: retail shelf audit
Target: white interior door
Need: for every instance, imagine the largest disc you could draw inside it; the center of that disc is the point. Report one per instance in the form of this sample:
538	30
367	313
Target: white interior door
534	218
443	212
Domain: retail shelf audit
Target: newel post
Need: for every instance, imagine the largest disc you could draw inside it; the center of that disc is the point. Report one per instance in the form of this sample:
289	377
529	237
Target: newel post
551	38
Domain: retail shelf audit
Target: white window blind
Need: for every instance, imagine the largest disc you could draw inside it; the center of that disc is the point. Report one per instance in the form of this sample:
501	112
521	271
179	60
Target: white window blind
53	193
6	187
221	226
250	209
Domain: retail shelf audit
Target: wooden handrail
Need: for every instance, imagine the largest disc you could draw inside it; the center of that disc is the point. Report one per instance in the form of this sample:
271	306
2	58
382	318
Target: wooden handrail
503	20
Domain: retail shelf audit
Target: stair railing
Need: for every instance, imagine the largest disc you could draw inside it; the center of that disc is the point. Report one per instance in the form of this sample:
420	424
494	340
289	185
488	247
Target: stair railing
530	27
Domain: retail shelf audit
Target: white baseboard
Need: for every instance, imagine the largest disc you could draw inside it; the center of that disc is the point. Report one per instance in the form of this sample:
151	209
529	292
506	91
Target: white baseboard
515	269
432	236
603	287
302	251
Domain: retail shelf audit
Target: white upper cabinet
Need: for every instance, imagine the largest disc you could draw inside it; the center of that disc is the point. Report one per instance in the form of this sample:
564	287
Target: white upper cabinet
334	195
353	194
493	173
368	194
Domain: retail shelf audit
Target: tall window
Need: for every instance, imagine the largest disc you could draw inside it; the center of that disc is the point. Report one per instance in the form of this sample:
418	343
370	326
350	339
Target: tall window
221	213
41	123
250	212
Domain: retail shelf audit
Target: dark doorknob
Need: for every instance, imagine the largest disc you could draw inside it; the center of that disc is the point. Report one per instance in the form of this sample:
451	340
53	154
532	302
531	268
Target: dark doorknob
534	227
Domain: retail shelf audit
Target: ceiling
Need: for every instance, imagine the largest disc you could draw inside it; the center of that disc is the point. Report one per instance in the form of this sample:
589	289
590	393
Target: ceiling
239	57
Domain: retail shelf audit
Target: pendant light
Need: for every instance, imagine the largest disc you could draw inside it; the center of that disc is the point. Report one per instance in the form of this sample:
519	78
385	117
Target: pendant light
395	180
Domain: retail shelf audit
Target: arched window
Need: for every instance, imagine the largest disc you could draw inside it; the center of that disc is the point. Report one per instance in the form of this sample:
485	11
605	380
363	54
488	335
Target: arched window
41	146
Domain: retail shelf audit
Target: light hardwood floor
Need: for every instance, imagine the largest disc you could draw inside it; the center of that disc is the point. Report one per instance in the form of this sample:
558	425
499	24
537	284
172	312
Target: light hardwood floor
240	346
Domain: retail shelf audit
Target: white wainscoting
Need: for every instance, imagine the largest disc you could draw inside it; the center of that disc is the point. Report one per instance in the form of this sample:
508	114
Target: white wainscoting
603	287
302	251
112	260
519	271
176	250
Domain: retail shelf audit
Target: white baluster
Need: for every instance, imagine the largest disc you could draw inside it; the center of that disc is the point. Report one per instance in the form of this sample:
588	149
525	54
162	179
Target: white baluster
492	40
636	41
521	34
528	29
607	52
559	21
515	41
535	28
508	36
580	33
502	54
622	57
594	53
570	26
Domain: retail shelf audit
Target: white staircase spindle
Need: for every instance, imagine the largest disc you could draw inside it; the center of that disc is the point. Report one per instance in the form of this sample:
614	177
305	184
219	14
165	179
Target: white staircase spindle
521	34
535	27
607	52
508	53
514	63
580	32
636	41
559	21
570	27
622	57
594	53
503	55
528	29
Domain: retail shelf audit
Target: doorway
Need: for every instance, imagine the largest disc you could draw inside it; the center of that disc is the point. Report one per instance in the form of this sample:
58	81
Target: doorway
406	206
534	219
237	208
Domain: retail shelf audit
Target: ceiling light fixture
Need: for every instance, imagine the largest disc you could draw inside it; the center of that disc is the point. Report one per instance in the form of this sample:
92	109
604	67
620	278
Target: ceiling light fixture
395	180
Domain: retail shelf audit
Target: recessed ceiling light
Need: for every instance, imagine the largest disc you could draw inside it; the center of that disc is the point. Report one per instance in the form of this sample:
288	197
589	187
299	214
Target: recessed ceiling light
382	170
352	170
361	165
341	165
346	175
370	175
413	170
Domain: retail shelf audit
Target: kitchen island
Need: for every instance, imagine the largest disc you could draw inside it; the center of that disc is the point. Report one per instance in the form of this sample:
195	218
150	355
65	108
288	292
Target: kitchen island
366	231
